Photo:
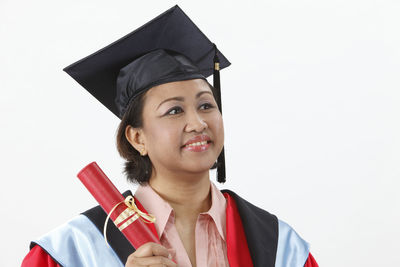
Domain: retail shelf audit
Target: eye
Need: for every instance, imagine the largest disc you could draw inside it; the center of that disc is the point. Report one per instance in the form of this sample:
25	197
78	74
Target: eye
206	106
174	110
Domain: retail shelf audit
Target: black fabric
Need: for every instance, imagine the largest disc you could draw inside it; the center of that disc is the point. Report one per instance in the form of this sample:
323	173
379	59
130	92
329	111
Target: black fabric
173	30
260	227
118	242
154	68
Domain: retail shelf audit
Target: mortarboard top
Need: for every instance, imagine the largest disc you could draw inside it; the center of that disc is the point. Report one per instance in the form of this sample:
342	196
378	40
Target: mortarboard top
173	31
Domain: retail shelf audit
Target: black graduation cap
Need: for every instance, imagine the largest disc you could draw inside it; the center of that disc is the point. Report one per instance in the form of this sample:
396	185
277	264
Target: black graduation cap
168	48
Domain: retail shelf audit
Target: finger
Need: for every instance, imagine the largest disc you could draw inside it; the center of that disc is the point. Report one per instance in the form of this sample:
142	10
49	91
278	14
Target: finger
151	249
152	261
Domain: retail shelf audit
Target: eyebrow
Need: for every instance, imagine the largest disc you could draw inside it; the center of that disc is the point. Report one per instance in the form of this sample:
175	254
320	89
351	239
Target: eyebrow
180	98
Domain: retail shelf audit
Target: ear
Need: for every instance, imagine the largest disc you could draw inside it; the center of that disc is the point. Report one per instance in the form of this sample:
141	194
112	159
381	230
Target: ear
135	137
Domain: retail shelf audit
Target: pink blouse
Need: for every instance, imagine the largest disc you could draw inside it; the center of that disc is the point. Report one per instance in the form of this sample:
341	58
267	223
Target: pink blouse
210	229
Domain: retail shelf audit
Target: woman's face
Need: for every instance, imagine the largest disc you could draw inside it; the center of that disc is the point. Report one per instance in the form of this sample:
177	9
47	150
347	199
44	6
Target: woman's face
182	127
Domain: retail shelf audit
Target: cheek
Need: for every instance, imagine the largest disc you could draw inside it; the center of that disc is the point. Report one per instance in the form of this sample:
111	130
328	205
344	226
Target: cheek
221	130
218	126
163	135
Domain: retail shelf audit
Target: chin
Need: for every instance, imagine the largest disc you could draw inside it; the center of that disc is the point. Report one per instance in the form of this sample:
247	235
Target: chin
198	167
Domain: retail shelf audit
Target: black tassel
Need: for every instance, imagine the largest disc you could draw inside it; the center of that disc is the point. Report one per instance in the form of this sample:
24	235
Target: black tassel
216	79
221	178
217	85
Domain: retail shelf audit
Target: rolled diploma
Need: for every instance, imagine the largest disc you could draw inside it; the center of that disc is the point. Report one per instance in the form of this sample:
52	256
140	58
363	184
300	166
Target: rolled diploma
107	195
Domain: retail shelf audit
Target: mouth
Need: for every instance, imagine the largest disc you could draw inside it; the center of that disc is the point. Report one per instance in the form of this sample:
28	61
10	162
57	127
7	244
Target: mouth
197	144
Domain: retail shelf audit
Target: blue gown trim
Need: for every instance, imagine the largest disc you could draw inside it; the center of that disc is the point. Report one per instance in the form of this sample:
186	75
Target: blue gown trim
292	249
78	243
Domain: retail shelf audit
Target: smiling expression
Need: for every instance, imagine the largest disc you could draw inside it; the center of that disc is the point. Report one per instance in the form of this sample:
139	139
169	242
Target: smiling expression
182	127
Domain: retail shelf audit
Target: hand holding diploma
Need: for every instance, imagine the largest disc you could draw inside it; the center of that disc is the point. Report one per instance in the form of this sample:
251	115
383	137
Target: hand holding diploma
150	254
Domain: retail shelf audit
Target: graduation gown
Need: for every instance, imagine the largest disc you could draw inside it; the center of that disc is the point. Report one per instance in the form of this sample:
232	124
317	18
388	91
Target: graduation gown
254	238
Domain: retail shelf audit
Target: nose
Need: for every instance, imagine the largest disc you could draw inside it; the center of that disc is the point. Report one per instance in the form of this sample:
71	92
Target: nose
195	122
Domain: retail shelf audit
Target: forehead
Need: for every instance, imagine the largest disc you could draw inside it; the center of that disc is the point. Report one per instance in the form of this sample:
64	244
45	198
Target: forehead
173	89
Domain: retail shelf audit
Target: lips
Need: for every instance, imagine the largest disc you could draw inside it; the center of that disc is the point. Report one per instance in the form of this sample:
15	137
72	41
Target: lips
197	148
198	143
198	140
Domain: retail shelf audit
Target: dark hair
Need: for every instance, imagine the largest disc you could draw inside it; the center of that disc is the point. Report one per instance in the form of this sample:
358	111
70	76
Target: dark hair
137	168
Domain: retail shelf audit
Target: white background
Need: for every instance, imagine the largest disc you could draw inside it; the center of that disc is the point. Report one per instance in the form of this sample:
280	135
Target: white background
311	111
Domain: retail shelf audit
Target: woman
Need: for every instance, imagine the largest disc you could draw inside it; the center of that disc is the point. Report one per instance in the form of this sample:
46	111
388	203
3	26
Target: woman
171	134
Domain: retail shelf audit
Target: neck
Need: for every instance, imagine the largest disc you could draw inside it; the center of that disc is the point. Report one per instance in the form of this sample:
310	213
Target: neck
188	194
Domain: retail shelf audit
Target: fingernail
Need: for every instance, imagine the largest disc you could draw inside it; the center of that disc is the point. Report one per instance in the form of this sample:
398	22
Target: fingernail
170	256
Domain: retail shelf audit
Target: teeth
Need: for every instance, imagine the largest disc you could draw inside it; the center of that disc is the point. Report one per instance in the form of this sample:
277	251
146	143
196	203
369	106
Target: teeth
198	144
